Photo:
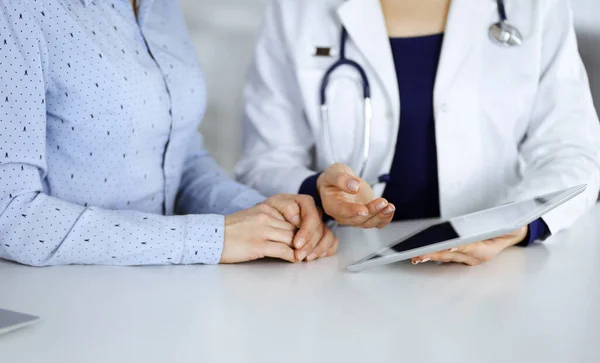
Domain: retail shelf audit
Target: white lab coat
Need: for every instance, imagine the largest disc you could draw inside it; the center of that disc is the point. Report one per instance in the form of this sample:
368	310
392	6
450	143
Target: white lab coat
511	123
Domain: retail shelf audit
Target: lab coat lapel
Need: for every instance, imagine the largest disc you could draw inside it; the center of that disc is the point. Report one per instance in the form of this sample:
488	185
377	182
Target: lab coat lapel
466	28
364	21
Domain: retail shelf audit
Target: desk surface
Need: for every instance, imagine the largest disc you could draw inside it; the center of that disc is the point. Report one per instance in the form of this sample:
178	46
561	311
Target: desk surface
540	304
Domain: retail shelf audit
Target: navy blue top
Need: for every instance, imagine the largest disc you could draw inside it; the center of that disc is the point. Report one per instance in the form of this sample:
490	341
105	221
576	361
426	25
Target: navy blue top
413	186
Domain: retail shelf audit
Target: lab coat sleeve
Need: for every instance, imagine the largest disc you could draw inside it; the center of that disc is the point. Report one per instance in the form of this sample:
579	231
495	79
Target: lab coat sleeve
206	188
40	230
537	231
562	144
277	140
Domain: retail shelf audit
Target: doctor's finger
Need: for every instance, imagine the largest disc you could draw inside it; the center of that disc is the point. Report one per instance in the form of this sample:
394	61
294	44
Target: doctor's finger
375	221
343	181
451	257
377	205
342	209
381	212
387	215
357	221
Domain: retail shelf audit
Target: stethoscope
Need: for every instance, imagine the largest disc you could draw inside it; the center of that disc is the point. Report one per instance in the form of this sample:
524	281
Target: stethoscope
502	33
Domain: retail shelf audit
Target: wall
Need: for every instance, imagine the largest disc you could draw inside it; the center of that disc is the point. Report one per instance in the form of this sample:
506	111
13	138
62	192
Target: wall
587	21
224	32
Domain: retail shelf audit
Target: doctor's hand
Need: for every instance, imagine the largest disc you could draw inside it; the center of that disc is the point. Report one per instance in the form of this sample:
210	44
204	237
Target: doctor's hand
350	200
476	253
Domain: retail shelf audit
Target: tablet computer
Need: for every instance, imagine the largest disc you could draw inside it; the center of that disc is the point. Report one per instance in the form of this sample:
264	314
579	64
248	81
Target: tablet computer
10	320
475	227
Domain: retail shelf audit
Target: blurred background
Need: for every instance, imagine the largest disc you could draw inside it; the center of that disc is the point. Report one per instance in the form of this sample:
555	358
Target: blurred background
224	32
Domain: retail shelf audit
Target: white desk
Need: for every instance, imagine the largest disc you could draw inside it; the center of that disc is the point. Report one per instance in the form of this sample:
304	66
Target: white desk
540	304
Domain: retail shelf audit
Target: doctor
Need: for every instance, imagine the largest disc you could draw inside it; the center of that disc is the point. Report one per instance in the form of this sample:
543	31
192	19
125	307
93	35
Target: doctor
463	104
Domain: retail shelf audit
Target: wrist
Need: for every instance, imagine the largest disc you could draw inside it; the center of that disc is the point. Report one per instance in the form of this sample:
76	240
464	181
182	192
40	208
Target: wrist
226	220
320	181
520	236
310	186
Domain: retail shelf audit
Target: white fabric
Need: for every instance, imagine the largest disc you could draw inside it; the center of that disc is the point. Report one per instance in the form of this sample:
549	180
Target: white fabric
510	122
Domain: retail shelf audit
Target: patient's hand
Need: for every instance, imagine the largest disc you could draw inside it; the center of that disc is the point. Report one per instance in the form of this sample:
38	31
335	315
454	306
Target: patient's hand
256	233
288	227
313	239
476	253
350	200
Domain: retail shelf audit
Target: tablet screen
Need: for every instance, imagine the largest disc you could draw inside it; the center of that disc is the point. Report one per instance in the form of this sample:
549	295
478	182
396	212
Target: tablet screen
476	224
468	228
435	234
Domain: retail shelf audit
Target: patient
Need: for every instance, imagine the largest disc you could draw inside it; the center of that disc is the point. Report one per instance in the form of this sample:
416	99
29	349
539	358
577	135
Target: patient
100	162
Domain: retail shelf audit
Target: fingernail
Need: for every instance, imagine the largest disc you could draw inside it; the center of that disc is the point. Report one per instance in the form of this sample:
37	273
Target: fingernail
353	185
453	249
300	242
302	256
426	260
381	205
363	213
312	256
324	255
296	220
416	262
388	211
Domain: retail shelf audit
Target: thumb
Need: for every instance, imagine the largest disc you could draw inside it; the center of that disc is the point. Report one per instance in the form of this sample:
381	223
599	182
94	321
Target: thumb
343	181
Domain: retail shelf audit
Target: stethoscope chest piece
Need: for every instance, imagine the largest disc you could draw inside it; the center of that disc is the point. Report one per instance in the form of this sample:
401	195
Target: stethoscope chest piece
505	34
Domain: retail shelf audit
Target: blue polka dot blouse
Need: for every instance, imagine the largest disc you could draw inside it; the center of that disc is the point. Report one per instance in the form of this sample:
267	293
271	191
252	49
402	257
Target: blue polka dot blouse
100	161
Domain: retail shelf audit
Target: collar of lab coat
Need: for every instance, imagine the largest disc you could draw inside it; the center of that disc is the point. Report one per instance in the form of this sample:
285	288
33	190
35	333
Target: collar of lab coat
467	25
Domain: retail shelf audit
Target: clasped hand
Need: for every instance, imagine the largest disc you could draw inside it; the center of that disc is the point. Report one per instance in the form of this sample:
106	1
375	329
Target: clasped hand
288	227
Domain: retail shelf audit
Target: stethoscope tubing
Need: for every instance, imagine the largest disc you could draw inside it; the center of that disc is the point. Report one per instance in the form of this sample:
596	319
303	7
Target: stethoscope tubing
508	36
